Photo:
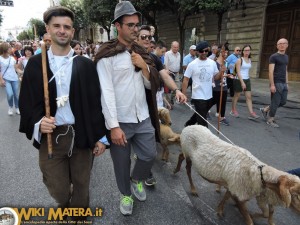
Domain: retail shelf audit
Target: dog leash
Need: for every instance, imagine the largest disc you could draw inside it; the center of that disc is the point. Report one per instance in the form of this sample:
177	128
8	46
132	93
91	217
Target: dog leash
209	123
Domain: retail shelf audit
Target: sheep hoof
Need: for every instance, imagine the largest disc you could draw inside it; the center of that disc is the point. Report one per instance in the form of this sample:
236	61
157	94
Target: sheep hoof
194	193
176	170
220	213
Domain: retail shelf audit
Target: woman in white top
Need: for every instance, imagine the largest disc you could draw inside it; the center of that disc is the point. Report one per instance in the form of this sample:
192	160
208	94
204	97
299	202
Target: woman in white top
242	83
22	61
8	77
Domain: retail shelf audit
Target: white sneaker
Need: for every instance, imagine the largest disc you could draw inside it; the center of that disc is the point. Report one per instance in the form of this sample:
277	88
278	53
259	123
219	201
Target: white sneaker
217	114
17	111
10	111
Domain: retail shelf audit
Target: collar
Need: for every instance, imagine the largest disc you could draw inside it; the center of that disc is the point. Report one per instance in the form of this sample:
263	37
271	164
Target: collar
260	167
68	56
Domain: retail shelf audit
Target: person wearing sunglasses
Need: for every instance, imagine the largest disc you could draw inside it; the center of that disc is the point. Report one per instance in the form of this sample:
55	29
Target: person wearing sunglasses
143	40
231	60
203	71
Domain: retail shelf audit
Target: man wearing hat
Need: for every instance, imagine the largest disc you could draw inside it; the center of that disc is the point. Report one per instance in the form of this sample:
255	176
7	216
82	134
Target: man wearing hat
128	97
203	71
189	57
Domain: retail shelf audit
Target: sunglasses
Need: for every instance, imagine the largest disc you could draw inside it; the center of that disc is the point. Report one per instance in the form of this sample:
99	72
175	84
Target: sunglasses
238	50
204	50
144	37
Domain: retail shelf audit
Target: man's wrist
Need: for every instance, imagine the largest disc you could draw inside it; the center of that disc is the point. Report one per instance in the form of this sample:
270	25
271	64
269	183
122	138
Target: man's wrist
177	89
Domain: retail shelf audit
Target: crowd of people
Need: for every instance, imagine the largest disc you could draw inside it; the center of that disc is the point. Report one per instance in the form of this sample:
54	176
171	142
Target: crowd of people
109	104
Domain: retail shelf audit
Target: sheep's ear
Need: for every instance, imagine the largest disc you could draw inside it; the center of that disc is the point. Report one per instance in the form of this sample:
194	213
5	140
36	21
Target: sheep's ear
285	194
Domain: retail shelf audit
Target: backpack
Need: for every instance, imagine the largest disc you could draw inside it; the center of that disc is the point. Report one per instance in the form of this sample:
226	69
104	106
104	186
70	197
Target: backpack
234	73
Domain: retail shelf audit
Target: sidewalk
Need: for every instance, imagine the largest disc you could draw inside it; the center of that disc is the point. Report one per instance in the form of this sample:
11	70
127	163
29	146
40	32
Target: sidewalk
261	87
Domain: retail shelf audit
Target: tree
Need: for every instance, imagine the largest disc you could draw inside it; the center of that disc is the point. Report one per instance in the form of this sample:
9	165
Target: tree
149	8
25	35
81	20
181	9
39	27
218	7
101	12
1	18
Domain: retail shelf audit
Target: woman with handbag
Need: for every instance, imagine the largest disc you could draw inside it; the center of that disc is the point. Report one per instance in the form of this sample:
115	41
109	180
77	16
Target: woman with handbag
9	78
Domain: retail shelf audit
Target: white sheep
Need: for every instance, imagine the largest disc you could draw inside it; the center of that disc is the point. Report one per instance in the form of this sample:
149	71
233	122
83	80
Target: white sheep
237	170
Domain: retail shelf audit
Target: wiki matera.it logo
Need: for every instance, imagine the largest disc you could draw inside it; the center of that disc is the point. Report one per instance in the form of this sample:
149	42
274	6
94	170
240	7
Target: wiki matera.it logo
8	216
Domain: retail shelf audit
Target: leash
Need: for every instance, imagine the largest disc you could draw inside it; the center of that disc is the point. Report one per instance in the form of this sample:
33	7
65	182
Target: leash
209	123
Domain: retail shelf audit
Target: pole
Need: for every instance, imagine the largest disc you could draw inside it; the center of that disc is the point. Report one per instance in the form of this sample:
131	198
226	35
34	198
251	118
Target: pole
46	96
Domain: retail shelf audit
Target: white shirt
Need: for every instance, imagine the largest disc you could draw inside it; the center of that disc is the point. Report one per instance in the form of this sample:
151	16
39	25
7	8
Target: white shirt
245	69
61	67
202	73
172	61
123	96
7	68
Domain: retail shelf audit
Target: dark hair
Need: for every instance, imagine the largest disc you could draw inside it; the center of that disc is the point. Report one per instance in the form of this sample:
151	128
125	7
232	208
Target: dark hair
161	44
29	48
245	46
145	27
58	11
74	43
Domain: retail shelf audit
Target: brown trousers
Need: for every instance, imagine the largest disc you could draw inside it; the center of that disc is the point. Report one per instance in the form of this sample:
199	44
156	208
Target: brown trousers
61	171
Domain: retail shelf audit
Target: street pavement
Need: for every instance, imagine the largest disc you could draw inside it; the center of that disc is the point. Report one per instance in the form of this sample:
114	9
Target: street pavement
170	201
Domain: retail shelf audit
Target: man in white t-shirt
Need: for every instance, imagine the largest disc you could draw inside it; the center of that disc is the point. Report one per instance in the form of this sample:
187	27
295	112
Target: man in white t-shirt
203	71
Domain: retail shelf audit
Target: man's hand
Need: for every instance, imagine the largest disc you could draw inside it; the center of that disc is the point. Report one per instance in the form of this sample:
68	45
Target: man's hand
138	61
47	125
118	136
180	97
99	148
273	89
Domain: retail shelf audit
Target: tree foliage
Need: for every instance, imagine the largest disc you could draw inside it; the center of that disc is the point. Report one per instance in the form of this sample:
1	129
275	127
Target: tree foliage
39	25
81	20
100	12
1	18
25	35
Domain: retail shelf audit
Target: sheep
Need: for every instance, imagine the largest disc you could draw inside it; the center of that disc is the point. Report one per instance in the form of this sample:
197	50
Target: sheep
168	137
235	168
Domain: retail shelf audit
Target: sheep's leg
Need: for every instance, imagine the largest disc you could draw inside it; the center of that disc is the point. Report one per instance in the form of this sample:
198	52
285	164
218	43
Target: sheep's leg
179	162
218	188
263	207
222	203
244	211
189	173
271	212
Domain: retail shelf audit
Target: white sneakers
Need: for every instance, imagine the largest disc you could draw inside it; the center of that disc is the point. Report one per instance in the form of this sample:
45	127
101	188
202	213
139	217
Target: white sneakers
11	111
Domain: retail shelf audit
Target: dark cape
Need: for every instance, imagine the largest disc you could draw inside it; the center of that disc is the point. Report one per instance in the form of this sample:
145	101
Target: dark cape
84	97
114	47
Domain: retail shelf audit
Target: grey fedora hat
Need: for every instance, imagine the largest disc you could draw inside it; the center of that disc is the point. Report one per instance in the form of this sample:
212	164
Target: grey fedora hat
124	8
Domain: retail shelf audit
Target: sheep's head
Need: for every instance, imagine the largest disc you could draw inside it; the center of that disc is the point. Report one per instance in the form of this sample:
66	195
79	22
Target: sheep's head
164	116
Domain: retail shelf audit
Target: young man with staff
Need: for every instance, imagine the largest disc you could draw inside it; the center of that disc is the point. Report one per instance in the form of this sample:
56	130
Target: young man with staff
76	122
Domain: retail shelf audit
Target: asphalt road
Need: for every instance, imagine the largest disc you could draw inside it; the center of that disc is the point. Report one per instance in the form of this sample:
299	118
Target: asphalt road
170	202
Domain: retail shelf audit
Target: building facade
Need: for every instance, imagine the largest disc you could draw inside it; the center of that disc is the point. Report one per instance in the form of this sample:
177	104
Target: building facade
259	23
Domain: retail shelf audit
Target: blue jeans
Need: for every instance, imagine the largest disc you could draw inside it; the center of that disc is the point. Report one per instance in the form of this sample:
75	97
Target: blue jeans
295	172
12	88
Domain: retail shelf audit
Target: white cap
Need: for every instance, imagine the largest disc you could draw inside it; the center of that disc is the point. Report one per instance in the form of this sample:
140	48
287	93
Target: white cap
193	47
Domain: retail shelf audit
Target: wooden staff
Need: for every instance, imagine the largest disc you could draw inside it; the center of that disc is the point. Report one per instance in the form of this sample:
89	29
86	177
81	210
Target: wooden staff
221	96
46	96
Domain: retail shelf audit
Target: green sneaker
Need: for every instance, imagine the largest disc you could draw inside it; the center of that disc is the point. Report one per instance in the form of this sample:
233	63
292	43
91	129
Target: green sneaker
138	190
126	205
